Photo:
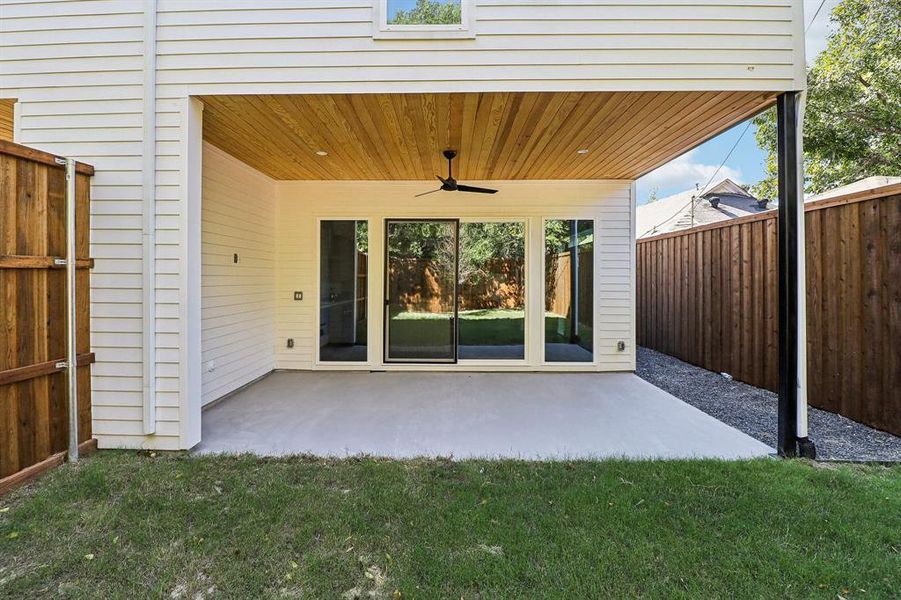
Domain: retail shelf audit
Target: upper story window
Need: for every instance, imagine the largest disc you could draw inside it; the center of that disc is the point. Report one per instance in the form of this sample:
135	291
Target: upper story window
422	19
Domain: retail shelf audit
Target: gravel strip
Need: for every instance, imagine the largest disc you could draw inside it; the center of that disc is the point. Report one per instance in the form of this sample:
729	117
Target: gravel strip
753	410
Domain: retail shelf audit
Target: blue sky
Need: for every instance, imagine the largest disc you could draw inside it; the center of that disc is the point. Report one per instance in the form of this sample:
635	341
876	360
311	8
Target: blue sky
747	162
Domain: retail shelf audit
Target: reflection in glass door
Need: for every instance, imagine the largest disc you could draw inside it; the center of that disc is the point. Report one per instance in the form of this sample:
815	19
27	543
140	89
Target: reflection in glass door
492	290
569	290
421	290
343	277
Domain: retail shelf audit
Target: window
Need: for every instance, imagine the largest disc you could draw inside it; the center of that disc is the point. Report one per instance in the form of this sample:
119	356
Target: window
568	290
343	278
424	19
492	290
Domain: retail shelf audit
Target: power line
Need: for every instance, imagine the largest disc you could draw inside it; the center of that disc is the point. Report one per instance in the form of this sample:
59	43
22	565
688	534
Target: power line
815	15
731	150
734	146
709	181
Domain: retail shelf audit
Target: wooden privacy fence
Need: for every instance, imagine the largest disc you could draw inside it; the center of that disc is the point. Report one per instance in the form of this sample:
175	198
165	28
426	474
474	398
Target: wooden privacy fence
423	284
558	285
708	296
34	422
499	284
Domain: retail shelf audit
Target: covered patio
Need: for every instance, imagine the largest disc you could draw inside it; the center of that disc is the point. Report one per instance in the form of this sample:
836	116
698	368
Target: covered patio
467	415
331	261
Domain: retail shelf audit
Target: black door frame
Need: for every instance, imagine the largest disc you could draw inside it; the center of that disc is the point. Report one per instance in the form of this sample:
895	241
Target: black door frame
454	320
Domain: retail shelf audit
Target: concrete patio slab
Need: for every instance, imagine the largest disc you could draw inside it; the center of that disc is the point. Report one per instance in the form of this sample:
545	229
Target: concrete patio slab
467	415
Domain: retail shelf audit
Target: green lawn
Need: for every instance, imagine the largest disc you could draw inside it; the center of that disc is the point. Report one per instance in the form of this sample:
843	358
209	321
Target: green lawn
126	525
487	327
484	327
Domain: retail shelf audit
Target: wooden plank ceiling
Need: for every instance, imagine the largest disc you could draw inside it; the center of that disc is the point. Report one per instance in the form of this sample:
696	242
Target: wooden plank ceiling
498	135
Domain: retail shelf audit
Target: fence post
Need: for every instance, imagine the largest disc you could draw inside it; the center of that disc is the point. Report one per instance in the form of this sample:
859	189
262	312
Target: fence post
71	312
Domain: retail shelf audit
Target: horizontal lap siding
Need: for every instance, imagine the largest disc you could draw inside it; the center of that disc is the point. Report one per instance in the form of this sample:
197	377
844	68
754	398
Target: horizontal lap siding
238	300
247	46
76	69
301	203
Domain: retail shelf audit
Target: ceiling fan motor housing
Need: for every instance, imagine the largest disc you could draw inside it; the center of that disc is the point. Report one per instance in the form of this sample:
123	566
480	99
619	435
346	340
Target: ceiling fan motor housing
450	184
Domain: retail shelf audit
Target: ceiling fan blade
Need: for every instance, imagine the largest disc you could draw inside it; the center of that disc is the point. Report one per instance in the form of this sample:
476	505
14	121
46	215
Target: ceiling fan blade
478	190
427	193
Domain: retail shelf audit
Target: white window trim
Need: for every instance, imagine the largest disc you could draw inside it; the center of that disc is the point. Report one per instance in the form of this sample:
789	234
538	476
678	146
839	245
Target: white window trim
596	335
381	30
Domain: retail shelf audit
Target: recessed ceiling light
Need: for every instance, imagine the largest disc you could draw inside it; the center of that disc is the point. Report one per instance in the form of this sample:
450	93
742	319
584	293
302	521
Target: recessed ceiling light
582	151
321	153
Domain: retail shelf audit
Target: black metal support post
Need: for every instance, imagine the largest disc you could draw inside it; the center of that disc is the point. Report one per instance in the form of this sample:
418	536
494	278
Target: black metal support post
787	130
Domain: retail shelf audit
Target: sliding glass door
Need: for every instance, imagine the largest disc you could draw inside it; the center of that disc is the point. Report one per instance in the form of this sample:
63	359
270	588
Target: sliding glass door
492	290
421	290
457	291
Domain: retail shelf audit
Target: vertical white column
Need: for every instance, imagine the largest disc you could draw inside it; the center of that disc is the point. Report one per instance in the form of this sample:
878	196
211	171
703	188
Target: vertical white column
190	272
802	280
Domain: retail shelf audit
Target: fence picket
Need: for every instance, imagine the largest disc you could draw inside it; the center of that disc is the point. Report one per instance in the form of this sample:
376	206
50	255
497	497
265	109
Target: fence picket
33	403
708	296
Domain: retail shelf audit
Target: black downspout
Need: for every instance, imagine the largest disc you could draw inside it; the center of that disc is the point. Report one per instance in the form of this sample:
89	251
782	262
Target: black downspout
787	155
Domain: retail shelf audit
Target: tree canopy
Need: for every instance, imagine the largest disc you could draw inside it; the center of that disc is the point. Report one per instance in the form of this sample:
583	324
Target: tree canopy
429	12
852	126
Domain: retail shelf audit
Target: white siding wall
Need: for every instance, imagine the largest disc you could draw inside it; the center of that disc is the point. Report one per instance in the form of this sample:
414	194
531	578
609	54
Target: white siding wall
238	300
279	46
301	204
76	68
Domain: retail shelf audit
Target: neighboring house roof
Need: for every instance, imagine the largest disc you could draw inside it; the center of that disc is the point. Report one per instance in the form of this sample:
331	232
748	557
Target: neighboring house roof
674	213
868	183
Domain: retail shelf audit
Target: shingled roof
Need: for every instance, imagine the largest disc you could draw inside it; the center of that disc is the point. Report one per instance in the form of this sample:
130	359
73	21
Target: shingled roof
674	213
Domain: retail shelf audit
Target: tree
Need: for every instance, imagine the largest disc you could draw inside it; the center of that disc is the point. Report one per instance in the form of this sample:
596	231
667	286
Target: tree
852	126
430	12
482	245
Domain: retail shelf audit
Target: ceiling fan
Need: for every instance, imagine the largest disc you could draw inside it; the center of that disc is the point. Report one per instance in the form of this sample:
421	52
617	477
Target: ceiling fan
450	184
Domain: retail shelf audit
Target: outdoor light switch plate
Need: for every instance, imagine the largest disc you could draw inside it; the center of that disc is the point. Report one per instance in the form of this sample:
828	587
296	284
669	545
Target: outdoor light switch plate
298	295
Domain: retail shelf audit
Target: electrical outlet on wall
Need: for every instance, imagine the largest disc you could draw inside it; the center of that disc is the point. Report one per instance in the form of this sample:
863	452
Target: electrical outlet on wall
211	366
